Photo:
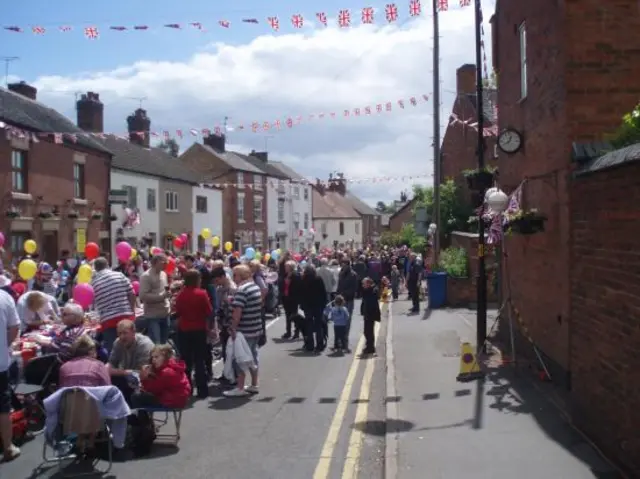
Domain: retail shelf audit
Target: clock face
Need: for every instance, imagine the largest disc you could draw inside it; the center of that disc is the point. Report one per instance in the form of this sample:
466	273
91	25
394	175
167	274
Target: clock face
510	141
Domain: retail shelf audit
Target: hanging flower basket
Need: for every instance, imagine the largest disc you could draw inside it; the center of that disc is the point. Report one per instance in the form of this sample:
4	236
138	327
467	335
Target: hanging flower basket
113	217
45	215
479	180
12	213
525	222
73	215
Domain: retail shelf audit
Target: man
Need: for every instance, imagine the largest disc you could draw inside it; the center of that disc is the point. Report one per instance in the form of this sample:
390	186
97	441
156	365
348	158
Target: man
131	351
348	288
9	327
113	299
154	295
246	319
327	277
225	290
414	278
36	308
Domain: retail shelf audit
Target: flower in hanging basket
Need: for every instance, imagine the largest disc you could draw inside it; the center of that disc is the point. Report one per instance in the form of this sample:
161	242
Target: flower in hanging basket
45	215
96	215
73	214
525	222
113	217
12	212
480	179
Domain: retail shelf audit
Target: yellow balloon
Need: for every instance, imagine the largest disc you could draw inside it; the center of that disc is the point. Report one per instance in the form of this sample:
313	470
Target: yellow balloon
134	253
27	269
267	257
30	246
279	251
84	274
215	241
228	246
205	233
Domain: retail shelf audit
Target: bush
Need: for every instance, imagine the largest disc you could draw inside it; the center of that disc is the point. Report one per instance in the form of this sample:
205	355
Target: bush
455	262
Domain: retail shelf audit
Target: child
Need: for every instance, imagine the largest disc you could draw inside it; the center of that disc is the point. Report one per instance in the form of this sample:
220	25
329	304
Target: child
164	382
340	317
395	281
370	310
385	296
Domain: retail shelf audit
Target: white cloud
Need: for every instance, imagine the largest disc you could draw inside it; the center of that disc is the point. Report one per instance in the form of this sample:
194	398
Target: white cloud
319	70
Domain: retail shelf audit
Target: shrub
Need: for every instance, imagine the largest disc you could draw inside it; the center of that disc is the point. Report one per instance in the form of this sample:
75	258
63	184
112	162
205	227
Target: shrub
455	262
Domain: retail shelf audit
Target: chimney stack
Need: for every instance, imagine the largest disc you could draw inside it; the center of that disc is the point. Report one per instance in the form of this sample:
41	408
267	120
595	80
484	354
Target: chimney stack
24	89
139	128
466	79
261	155
319	186
90	112
217	142
338	184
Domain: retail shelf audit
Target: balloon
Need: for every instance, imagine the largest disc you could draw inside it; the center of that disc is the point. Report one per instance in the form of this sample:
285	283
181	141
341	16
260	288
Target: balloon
84	274
136	287
258	255
228	246
156	251
27	269
275	255
236	254
91	251
215	241
83	295
30	246
1	239
205	233
170	267
184	237
297	257
134	253
123	251
303	263
178	242
267	257
72	262
279	251
250	253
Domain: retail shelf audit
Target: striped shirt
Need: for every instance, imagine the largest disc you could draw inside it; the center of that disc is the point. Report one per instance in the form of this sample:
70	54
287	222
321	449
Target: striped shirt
111	295
248	298
63	342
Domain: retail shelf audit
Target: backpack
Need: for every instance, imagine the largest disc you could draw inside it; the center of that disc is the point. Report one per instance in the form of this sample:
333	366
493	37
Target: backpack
141	433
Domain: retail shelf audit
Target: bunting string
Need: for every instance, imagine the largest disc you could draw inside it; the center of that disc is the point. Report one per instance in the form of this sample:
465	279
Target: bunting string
344	18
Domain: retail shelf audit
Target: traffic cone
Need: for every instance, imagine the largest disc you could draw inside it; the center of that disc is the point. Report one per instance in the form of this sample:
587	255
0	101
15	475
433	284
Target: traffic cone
469	367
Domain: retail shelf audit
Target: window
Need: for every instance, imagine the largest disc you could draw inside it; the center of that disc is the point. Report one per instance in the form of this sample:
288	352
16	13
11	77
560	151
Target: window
240	211
306	220
357	228
323	227
19	171
281	187
240	180
306	194
78	180
296	192
17	243
201	244
132	196
259	238
201	204
281	210
296	221
522	34
257	209
151	199
257	182
341	228
153	238
171	201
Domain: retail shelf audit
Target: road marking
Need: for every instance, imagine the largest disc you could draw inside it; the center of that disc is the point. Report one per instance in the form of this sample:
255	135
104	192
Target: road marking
354	448
324	463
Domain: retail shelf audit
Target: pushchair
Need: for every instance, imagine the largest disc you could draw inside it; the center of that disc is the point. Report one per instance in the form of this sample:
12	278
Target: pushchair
272	300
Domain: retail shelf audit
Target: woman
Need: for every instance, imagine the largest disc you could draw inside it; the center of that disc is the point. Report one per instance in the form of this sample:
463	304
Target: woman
84	369
313	299
290	297
35	309
62	343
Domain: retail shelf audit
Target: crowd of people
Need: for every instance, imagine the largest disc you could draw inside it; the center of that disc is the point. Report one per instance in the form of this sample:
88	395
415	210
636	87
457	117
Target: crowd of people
157	321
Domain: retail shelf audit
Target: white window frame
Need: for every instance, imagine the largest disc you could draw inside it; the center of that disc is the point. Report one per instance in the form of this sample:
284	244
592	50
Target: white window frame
240	207
357	228
281	211
132	195
206	204
258	185
306	221
341	228
171	204
306	194
522	37
296	192
240	179
258	200
151	195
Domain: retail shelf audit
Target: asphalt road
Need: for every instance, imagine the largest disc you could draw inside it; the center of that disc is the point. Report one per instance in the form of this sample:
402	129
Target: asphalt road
316	417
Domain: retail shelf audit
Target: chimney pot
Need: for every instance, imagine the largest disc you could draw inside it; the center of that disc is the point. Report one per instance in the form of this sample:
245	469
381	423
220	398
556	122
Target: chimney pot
90	113
261	155
217	142
139	128
466	79
24	89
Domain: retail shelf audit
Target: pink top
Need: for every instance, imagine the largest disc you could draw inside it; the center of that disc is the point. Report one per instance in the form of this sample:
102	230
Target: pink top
84	372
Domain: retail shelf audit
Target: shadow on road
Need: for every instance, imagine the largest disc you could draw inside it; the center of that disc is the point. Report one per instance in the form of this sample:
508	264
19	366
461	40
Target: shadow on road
380	428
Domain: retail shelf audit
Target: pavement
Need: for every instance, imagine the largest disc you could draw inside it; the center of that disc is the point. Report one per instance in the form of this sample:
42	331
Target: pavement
499	427
310	420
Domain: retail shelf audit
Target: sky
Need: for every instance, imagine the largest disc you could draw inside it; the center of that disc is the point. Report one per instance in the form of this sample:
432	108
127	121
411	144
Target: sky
193	79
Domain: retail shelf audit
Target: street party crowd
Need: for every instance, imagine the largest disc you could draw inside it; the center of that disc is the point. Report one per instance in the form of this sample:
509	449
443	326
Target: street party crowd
149	326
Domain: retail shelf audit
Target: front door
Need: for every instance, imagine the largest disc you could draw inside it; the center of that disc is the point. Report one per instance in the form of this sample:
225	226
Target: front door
50	247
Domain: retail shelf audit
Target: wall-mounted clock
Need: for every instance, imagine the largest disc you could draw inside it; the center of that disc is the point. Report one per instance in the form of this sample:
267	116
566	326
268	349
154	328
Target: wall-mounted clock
510	141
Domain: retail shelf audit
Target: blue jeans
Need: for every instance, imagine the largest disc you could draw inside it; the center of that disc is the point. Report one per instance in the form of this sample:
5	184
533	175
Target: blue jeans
158	329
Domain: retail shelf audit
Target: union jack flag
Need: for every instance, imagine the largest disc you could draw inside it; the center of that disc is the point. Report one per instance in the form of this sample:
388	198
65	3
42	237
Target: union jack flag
277	124
297	21
356	112
391	12
250	20
388	106
274	22
65	28
38	30
367	15
224	23
141	27
344	18
14	29
347	113
379	108
401	103
289	122
266	126
196	25
322	18
254	126
117	28
465	3
413	101
443	5
175	26
179	133
166	135
415	8
91	33
194	132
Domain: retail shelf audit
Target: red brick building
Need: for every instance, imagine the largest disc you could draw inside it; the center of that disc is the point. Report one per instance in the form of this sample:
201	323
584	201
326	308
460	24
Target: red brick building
567	72
53	186
460	142
404	216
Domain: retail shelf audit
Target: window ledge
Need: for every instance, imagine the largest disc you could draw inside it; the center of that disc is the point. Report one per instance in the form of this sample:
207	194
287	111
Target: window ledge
171	211
241	221
21	196
80	202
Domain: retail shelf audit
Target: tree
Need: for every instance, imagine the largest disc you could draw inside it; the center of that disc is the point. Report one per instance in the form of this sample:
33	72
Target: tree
454	211
171	147
629	132
381	207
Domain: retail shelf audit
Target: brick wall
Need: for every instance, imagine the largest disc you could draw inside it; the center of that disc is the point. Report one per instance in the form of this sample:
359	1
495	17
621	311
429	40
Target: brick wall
605	311
401	218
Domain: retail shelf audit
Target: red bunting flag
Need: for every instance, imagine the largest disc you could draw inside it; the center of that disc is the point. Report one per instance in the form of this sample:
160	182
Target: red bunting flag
367	15
297	21
322	18
391	12
91	33
344	18
415	8
274	22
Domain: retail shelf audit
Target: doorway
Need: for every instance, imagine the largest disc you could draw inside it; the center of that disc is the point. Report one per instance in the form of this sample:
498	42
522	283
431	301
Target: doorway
50	246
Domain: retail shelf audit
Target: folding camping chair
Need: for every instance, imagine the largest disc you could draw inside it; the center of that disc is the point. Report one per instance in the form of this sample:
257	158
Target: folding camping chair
169	413
79	423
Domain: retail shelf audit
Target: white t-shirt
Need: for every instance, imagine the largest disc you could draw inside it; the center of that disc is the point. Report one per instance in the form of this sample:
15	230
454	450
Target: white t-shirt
8	319
28	317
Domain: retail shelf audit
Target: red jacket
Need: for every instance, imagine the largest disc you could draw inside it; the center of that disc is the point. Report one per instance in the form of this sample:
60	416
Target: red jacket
193	308
169	384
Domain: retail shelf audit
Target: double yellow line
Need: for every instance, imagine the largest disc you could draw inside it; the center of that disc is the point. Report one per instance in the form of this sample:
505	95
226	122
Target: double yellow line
356	439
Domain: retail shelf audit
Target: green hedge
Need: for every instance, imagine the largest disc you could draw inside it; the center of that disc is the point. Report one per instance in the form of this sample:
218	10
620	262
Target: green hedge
455	262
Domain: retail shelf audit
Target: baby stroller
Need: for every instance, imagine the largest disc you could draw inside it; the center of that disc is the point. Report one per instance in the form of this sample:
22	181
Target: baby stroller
271	302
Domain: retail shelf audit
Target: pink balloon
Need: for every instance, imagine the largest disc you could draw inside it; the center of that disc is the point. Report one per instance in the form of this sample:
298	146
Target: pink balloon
123	251
1	239
184	238
83	295
136	287
155	251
